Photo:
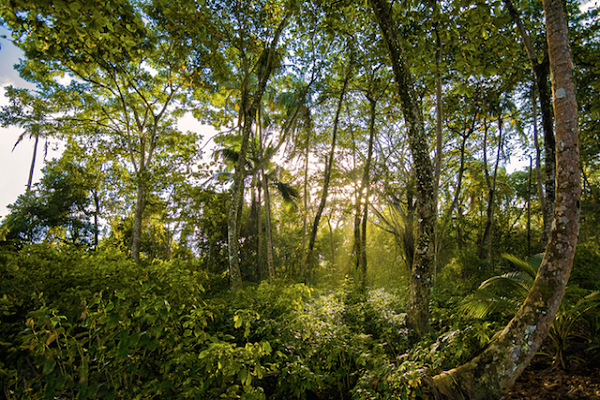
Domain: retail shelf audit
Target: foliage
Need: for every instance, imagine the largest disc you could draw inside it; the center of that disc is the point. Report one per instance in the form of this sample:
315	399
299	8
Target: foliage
98	325
92	325
586	267
576	319
59	209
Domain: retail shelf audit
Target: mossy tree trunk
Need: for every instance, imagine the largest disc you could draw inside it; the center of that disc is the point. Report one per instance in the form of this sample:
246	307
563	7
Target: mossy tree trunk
494	371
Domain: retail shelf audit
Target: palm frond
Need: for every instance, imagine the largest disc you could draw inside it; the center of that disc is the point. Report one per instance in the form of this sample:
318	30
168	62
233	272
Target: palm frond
531	266
483	303
288	193
504	293
515	284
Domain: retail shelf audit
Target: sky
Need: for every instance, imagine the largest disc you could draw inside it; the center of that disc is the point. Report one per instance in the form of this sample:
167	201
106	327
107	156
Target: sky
14	164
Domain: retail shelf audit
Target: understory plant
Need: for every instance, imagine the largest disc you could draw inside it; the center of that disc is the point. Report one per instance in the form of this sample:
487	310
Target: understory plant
577	318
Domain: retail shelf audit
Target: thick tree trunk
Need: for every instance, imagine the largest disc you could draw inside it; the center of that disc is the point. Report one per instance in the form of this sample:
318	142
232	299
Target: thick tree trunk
423	271
493	372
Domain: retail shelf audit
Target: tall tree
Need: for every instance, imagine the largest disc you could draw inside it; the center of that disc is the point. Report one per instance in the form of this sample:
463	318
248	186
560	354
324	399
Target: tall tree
423	271
123	88
259	70
36	113
310	259
494	371
541	69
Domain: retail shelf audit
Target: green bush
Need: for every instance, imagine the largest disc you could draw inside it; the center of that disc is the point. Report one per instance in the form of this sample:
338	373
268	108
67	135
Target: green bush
96	325
586	267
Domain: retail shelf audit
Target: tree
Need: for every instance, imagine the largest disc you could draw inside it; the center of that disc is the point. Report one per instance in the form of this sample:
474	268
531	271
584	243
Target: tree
493	372
115	91
58	210
328	169
255	65
34	113
540	73
423	272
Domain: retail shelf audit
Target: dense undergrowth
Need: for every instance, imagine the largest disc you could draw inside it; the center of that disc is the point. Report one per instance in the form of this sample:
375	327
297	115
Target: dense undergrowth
95	325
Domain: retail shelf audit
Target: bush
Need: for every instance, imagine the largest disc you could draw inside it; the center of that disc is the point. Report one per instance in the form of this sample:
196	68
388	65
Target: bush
586	267
97	325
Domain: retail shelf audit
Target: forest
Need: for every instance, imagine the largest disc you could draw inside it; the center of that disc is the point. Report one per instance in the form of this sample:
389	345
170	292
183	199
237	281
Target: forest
377	200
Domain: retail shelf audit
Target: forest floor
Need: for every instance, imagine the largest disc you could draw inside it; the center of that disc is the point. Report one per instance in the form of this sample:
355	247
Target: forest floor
541	382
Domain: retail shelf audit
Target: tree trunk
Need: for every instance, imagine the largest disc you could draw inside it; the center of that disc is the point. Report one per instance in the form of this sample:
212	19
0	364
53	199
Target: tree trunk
264	69
529	206
304	270
32	168
439	138
362	203
326	179
268	228
493	372
263	270
541	71
486	242
423	271
538	174
331	245
96	215
140	204
408	239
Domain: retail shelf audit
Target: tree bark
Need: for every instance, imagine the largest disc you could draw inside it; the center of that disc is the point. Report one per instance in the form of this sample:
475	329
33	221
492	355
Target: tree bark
326	180
362	203
423	271
541	71
264	69
494	371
